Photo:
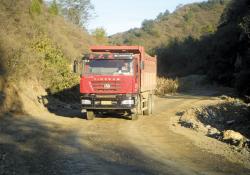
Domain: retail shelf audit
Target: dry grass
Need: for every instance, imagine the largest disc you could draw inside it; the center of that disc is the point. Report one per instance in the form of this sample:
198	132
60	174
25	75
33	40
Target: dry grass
166	86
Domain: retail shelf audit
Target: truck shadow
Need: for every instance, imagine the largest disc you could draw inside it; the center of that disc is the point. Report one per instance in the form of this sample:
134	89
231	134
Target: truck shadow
66	103
113	115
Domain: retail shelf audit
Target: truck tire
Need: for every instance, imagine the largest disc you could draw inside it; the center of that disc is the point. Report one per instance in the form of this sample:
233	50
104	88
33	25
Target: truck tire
152	104
139	106
134	116
149	109
90	115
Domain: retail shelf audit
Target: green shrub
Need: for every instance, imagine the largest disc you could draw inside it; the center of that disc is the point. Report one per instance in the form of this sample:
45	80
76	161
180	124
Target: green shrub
36	7
208	29
56	72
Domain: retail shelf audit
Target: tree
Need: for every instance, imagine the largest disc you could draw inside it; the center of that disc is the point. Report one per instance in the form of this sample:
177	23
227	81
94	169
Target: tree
147	25
100	35
36	7
76	11
162	15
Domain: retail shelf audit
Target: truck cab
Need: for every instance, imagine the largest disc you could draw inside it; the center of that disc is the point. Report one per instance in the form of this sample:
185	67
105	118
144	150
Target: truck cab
111	80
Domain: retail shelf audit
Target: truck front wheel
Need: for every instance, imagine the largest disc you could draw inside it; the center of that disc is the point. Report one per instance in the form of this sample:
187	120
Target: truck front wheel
134	114
134	117
90	115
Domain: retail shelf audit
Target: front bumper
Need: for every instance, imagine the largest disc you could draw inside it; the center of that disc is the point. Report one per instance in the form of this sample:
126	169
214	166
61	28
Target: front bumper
108	101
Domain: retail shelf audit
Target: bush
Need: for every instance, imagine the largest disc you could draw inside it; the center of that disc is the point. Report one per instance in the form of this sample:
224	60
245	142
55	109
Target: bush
56	73
166	86
36	7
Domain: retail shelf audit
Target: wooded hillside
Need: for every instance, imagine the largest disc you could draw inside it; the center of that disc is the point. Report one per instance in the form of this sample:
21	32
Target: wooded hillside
193	20
209	38
37	43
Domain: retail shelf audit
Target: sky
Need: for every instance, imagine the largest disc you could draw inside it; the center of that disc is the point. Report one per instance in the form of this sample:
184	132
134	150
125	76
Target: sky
121	15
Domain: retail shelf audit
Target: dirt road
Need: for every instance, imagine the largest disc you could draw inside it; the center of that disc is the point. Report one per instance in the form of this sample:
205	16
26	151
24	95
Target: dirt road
52	144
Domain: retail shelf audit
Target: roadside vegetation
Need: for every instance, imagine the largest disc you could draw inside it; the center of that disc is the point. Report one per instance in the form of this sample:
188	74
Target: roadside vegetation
166	86
55	71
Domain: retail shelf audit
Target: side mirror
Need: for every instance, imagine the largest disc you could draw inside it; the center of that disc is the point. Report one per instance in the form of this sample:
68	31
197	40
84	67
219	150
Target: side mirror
75	66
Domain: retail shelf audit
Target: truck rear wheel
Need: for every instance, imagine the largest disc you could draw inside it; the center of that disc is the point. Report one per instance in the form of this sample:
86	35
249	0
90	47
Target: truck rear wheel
150	104
90	115
139	106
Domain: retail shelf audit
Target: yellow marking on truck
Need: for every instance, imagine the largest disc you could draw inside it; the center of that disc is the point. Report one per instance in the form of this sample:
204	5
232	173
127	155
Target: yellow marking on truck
106	102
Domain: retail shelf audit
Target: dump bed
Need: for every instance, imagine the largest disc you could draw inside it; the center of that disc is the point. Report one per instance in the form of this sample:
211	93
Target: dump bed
148	73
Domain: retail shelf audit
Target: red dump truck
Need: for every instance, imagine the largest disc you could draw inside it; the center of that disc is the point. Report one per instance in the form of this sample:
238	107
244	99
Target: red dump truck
117	78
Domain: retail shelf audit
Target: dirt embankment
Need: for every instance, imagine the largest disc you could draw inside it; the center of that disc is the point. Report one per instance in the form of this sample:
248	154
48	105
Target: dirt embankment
225	123
215	120
21	97
9	98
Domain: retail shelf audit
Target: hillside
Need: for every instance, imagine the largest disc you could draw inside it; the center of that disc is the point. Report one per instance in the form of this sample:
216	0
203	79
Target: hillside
227	51
36	45
210	38
222	55
190	20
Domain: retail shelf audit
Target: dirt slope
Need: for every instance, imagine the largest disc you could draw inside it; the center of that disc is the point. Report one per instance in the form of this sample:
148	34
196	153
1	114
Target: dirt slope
66	144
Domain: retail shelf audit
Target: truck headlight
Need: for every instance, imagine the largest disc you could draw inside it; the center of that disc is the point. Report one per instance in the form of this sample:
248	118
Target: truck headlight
86	102
127	102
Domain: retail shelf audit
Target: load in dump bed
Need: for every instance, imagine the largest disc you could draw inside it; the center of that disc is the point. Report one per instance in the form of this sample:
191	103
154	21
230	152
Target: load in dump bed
117	78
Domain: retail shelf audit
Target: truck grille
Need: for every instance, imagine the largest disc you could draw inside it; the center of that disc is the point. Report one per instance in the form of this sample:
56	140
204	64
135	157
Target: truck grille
103	86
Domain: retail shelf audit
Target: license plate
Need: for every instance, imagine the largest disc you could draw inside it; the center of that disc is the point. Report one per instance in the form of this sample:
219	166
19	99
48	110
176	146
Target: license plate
106	102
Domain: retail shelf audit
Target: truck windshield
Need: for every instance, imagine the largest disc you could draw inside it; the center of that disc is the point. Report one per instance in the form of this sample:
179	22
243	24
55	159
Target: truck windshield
108	67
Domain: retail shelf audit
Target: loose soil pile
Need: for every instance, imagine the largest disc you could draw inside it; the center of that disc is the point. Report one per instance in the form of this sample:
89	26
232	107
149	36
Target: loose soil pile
227	121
